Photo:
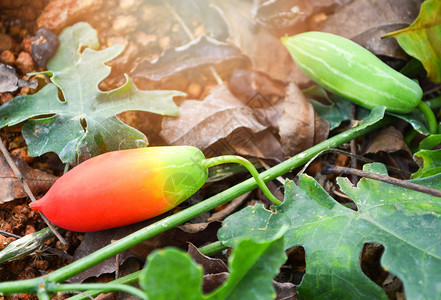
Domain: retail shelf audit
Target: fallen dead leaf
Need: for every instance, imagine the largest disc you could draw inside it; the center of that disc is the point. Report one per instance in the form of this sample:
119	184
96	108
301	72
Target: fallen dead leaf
367	21
265	50
202	123
209	265
300	127
283	14
200	52
176	237
260	92
12	188
388	140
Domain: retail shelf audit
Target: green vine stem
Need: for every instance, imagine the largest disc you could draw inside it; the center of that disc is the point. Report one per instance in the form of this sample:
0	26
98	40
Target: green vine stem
430	117
212	248
104	287
64	273
133	278
225	159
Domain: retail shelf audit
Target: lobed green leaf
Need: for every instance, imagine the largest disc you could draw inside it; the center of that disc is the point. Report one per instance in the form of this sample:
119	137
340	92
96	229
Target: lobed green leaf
172	274
422	39
83	122
406	222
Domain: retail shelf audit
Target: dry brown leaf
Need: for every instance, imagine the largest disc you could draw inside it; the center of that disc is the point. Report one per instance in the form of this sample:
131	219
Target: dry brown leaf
285	290
246	143
201	52
299	126
284	14
203	123
261	93
388	140
12	188
209	265
177	237
265	50
245	84
367	21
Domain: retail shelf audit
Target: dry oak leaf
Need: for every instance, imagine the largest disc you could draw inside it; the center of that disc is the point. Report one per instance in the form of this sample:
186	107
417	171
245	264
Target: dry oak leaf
203	123
300	127
12	188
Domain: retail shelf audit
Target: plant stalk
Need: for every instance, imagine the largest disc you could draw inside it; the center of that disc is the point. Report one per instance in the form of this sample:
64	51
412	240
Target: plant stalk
225	159
62	274
104	287
430	117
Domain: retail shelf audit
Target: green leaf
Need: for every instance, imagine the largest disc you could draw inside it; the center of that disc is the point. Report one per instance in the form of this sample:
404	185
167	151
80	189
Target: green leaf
406	222
416	119
422	39
172	274
338	111
431	162
253	265
430	142
83	123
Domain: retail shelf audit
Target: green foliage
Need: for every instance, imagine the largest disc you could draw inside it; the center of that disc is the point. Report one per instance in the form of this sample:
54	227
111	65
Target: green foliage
335	113
172	274
338	111
83	121
422	39
417	119
429	159
406	222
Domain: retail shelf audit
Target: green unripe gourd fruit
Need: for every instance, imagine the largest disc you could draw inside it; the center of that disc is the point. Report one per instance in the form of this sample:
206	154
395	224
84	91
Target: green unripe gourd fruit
347	69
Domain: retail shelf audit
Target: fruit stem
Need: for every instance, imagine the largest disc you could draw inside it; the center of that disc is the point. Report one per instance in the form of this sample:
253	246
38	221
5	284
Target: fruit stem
225	159
430	117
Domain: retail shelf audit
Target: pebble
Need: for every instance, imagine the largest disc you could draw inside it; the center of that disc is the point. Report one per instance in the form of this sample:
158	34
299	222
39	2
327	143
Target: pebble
7	57
116	40
6	42
145	39
194	90
58	13
164	42
22	153
125	24
29	229
5	241
27	44
43	46
128	55
130	5
25	63
147	13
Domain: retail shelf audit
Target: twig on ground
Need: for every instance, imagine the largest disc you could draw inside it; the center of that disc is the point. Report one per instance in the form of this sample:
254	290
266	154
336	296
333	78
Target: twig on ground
402	183
8	234
28	190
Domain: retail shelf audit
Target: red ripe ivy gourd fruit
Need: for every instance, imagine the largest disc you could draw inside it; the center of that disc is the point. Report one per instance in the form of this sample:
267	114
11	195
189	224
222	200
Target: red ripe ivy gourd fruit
124	187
